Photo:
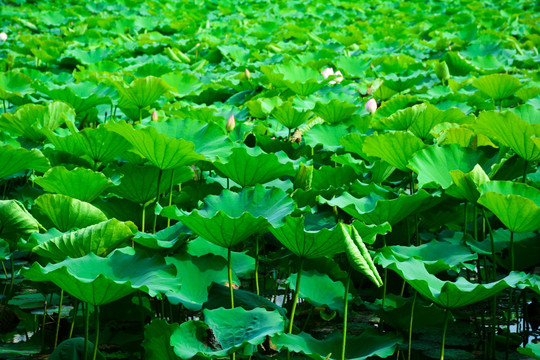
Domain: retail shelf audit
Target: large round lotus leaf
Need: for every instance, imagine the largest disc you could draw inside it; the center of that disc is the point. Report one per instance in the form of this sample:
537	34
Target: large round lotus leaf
138	183
195	276
354	66
447	294
517	205
100	239
156	342
504	127
67	213
396	148
308	243
14	84
98	281
15	221
369	233
369	344
168	238
401	119
300	79
162	151
531	350
13	160
73	349
334	111
327	135
497	86
261	107
233	329
29	120
141	92
231	217
250	166
80	183
375	209
320	290
434	163
358	254
402	83
289	116
209	139
183	84
329	177
436	255
465	185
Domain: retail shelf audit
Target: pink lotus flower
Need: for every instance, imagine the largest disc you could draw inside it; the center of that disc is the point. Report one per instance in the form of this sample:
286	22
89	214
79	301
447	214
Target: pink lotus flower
329	72
230	124
154	115
371	106
3	36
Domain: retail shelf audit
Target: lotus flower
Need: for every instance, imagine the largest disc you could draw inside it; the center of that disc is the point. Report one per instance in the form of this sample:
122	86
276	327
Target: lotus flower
329	71
154	115
248	74
3	36
230	123
371	106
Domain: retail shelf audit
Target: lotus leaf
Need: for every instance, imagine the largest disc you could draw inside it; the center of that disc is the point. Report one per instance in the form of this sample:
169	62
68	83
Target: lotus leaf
465	185
335	111
183	84
289	116
156	340
168	238
327	135
15	222
497	86
13	160
14	84
396	148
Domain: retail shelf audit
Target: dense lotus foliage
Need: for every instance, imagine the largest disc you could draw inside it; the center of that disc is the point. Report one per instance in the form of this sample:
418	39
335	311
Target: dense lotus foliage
269	179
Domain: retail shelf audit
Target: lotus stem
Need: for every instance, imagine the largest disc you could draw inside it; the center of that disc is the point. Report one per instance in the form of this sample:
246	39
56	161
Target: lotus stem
475	223
140	115
525	172
5	271
97	334
86	320
160	173
512	251
12	280
58	320
345	313
229	268
490	230
465	222
257	265
296	292
43	324
143	222
445	326
76	309
411	325
4	101
170	195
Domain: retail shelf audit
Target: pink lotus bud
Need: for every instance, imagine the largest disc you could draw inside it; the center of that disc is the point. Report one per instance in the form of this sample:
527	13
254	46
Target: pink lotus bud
230	124
327	72
338	79
371	106
3	36
248	74
154	115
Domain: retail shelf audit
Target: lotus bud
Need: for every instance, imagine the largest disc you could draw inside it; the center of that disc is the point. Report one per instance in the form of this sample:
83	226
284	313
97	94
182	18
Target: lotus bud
327	72
154	115
3	36
371	106
230	123
248	74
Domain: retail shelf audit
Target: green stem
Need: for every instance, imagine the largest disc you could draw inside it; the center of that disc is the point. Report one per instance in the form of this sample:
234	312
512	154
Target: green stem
140	115
170	195
475	224
143	220
86	320
76	309
466	219
160	173
411	324
257	265
345	310
385	277
512	251
229	267
492	241
58	320
43	324
445	326
12	281
97	333
296	292
525	172
4	101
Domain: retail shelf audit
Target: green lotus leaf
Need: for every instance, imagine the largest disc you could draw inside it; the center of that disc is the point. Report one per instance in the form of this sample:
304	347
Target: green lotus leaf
100	239
375	209
531	350
251	166
308	243
196	275
335	111
528	113
233	329
183	84
301	80
434	163
14	84
327	135
230	218
353	65
67	213
320	290
498	86
29	120
396	103
400	120
13	160
80	183
16	222
358	254
289	116
210	140
162	151
156	342
396	148
463	137
138	183
447	294
402	83
370	343
262	107
503	127
517	205
219	296
168	238
436	255
369	233
102	280
141	92
465	185
327	177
